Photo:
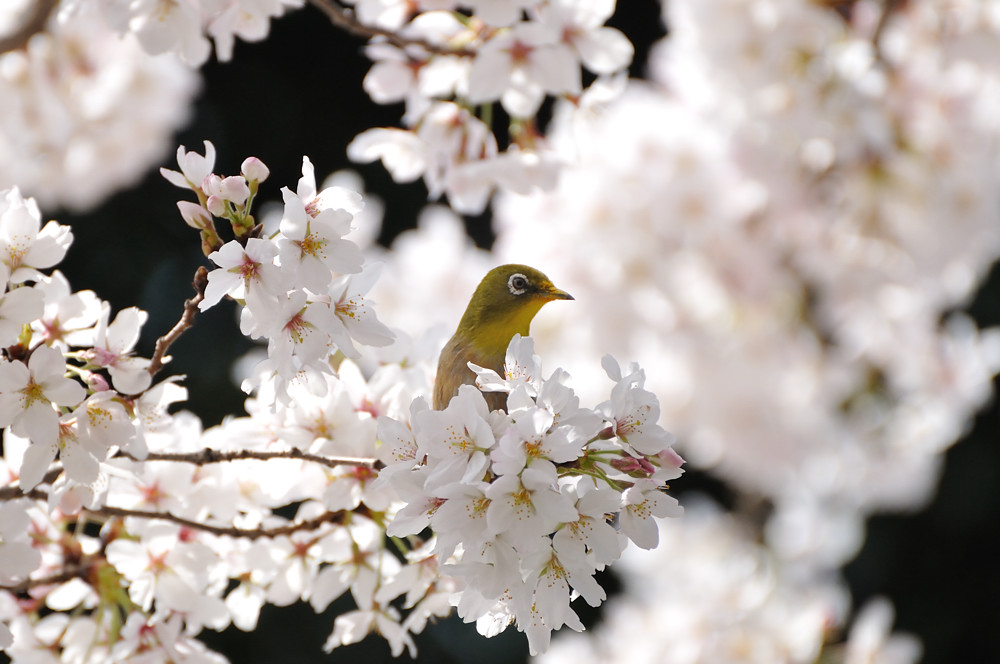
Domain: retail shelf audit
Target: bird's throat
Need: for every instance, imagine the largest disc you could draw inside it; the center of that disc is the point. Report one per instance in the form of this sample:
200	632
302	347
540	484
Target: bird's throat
492	335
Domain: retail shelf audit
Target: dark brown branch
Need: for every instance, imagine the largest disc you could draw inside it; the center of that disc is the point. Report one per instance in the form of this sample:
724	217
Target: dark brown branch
344	19
110	511
230	531
201	458
186	322
82	568
71	572
208	455
36	16
12	492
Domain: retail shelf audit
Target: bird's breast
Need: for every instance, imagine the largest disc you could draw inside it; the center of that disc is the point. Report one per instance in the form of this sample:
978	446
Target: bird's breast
453	371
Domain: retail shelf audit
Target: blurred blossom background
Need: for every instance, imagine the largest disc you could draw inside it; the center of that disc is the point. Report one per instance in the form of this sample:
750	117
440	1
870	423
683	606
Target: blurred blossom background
789	218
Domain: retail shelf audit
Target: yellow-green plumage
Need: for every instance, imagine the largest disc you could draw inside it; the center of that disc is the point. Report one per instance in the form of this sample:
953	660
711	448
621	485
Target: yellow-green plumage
503	305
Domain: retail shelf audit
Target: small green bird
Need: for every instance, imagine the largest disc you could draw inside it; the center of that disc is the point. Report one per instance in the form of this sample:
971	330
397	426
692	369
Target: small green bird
503	305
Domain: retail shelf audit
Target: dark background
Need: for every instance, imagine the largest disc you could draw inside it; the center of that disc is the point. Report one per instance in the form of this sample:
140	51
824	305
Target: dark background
299	93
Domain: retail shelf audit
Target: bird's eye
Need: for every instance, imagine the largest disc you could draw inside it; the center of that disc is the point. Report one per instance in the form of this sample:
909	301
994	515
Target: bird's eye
517	284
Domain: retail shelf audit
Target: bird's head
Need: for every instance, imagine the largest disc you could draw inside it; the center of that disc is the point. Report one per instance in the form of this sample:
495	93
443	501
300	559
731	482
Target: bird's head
504	303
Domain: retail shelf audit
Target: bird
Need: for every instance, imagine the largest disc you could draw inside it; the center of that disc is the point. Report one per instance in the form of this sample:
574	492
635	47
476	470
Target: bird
503	305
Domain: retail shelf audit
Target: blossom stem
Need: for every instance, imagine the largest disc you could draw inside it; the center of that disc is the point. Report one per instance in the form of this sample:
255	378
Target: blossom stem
595	472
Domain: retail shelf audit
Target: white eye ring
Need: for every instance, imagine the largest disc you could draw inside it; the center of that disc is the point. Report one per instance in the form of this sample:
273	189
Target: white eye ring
517	284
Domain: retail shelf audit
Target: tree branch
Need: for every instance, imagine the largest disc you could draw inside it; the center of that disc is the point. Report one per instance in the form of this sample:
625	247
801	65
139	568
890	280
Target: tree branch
230	531
345	19
110	511
12	492
201	458
71	572
82	568
34	20
208	455
186	322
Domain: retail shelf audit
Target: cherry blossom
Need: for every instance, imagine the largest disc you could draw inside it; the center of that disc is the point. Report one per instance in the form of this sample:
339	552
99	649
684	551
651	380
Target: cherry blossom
603	50
26	247
195	168
18	307
17	556
314	245
520	66
246	273
30	392
354	317
112	349
522	368
69	317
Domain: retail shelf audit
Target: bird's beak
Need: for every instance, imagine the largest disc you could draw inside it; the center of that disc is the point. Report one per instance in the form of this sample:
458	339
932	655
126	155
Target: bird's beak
554	293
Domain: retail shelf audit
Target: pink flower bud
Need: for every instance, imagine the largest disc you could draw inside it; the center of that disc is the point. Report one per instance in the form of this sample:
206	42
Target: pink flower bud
640	467
97	382
235	189
194	215
253	169
668	458
216	205
626	464
211	185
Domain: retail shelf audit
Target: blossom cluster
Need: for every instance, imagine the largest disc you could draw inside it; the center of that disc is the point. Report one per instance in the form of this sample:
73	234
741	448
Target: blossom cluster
184	28
786	219
42	398
126	530
460	67
451	70
783	220
303	288
85	111
817	198
522	501
711	592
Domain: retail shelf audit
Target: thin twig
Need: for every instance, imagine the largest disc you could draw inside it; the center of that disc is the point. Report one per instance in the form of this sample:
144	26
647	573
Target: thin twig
80	570
230	531
186	322
208	455
35	18
12	492
201	458
109	511
345	19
